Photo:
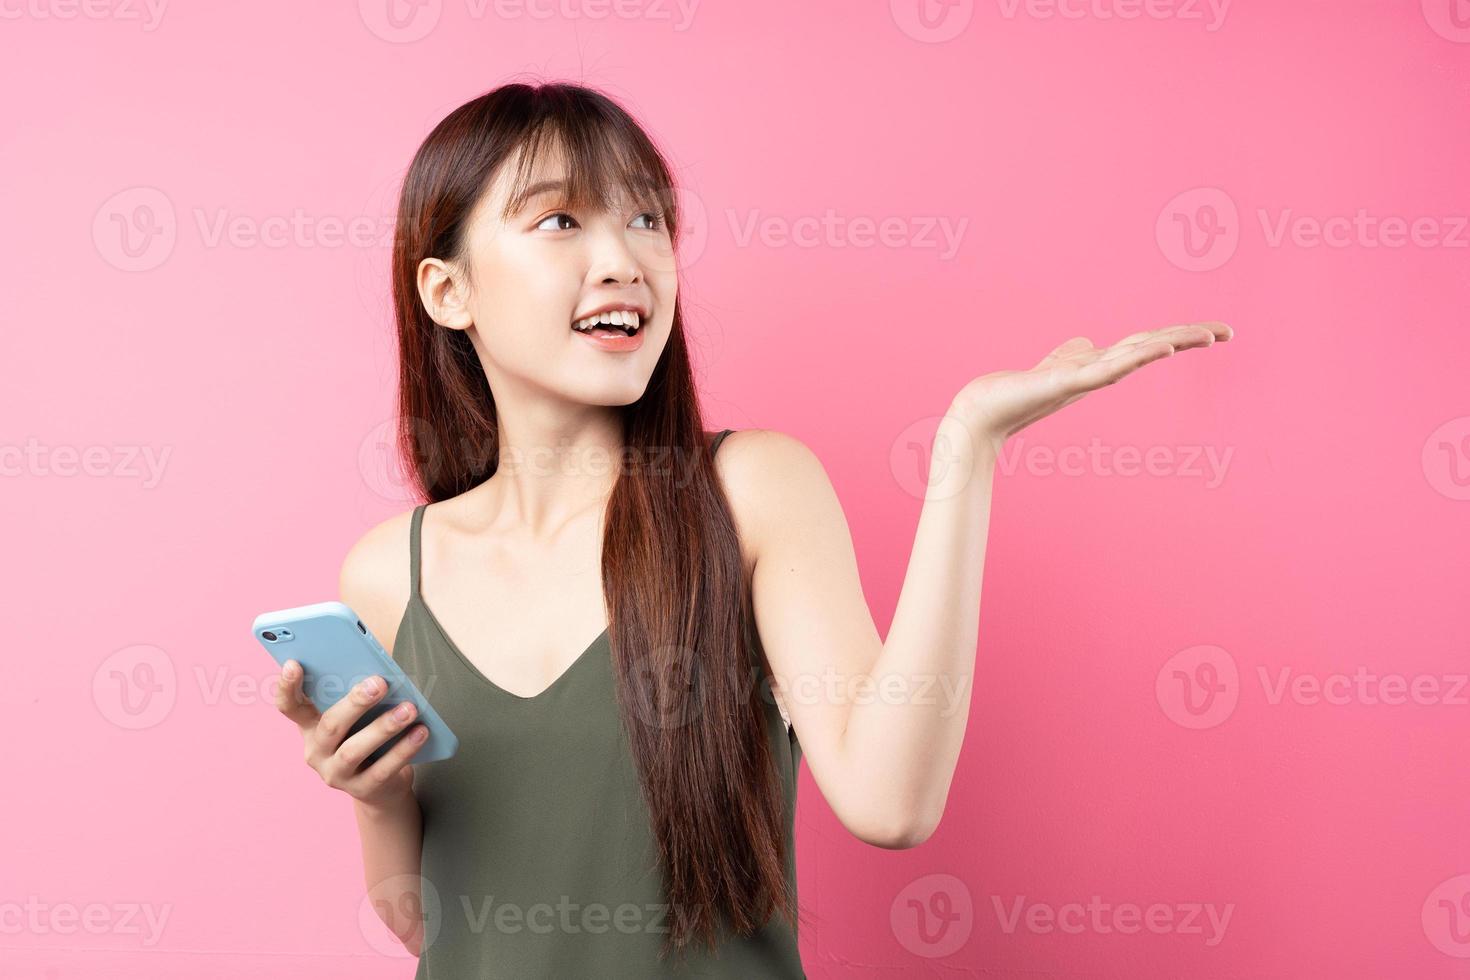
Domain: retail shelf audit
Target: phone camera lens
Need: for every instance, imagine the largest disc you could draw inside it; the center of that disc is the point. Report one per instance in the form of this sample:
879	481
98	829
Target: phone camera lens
271	637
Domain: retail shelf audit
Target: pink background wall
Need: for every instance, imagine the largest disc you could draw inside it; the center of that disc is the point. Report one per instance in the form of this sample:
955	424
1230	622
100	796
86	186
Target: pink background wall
199	371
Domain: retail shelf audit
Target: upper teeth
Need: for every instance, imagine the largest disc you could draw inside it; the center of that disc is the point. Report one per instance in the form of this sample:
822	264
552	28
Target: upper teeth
626	318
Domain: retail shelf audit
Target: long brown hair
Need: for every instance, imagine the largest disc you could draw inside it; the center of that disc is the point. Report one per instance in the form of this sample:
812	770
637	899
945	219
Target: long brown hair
672	574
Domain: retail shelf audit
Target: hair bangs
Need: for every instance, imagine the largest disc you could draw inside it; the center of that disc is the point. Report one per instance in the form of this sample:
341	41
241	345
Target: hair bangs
590	163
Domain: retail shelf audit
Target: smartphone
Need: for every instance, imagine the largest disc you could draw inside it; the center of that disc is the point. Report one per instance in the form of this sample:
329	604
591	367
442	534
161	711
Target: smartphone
335	652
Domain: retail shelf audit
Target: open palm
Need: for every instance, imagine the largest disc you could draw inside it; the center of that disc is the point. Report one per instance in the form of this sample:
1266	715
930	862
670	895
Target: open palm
998	405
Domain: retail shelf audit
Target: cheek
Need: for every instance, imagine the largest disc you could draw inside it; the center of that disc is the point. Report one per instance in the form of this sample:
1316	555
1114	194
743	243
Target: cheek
661	268
664	285
526	302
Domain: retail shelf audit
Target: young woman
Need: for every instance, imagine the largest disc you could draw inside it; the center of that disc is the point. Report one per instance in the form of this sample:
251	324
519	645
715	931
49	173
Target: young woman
627	629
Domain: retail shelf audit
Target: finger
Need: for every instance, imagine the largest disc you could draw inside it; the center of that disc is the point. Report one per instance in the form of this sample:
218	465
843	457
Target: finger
290	700
1187	334
1131	339
1180	337
1221	330
1114	353
395	758
1174	336
364	743
1109	370
1175	342
1191	335
338	720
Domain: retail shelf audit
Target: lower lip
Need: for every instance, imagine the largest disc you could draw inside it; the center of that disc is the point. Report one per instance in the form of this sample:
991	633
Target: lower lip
616	345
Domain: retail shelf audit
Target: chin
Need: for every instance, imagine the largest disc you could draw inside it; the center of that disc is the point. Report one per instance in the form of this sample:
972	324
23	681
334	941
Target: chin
627	397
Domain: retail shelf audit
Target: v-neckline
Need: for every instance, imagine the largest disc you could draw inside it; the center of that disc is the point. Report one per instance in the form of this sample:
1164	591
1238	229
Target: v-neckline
527	698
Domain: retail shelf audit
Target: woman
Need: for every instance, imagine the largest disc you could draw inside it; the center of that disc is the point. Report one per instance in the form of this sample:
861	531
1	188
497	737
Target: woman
623	807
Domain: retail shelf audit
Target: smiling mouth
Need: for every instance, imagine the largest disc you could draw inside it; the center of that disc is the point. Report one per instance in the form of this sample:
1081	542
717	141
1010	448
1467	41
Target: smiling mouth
613	325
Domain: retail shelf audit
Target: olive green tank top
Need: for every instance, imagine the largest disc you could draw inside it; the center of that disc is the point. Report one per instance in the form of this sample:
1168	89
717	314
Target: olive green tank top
539	861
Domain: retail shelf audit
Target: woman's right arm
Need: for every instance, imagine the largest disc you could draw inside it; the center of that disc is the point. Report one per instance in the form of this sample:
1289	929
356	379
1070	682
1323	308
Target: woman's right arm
374	582
388	817
392	846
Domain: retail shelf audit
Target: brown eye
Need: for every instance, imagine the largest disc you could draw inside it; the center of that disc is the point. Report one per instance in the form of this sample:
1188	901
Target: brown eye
551	217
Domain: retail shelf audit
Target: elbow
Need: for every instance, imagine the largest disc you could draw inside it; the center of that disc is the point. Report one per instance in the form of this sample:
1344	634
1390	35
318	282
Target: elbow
909	835
407	929
414	941
898	833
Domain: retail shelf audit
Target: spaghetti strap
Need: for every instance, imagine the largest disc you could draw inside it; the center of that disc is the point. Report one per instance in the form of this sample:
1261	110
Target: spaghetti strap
415	535
714	446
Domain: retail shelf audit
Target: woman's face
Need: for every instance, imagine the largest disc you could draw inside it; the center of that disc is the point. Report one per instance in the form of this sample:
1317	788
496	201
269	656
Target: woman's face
547	266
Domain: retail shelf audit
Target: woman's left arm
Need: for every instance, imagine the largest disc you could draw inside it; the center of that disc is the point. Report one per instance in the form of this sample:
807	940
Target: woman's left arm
881	721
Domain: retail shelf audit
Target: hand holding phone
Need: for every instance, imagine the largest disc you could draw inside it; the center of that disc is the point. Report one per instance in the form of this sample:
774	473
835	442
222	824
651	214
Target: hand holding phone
362	718
339	761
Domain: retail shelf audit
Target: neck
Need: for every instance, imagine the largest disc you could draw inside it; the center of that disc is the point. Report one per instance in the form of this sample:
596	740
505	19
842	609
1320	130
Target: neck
551	470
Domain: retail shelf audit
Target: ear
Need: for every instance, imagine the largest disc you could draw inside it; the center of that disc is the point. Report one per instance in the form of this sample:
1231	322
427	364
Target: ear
443	293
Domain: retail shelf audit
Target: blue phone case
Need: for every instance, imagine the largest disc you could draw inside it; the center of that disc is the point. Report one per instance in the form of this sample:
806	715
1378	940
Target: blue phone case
336	651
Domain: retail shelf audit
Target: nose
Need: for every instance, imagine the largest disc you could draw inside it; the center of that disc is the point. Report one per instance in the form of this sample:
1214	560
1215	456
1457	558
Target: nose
612	259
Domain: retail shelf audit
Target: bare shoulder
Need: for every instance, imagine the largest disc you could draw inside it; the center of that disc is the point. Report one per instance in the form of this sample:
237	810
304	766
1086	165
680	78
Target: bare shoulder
375	577
769	476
